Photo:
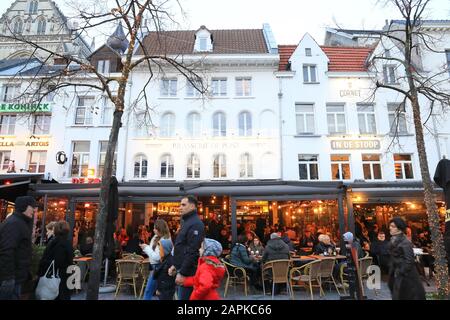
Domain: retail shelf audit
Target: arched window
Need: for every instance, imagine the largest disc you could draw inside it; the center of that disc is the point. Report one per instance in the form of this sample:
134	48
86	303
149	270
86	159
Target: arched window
166	166
193	124
18	26
245	124
246	166
266	123
41	26
140	166
193	166
167	128
219	124
220	166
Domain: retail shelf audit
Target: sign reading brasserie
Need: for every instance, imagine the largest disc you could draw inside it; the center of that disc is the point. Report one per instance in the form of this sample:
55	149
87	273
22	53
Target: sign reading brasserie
355	144
25	107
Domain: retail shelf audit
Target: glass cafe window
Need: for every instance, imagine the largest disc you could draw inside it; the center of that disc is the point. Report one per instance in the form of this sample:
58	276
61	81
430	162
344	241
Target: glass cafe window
308	167
403	166
80	159
371	166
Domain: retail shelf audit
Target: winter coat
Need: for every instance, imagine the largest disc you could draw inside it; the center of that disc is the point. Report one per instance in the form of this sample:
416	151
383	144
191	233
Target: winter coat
288	241
259	248
404	280
321	248
207	279
15	247
60	250
188	241
276	249
165	284
239	257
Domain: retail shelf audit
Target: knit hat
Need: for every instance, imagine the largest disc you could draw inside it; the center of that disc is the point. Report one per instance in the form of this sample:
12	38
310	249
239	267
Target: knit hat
166	245
22	203
212	247
348	236
399	223
275	235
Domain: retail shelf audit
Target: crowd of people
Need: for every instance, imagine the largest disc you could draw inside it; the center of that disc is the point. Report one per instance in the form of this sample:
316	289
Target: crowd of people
185	255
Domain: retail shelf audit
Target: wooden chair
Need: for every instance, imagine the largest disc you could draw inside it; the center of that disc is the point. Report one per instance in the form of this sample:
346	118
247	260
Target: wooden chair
145	272
127	273
235	275
364	263
342	276
279	270
326	273
307	273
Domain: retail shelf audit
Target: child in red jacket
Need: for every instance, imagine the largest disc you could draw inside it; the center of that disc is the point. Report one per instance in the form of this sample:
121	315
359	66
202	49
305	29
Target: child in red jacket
210	272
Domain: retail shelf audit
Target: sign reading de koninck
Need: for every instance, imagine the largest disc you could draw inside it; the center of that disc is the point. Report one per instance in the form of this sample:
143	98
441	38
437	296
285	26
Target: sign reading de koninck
355	144
25	107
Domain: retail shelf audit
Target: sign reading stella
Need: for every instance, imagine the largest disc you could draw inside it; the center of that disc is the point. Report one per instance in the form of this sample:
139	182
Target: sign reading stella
25	107
355	144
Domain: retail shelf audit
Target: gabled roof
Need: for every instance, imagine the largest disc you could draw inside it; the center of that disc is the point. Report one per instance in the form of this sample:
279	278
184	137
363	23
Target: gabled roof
350	59
238	41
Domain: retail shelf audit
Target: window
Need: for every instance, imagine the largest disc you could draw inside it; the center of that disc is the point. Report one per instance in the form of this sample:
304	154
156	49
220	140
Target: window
308	167
7	124
166	166
41	124
309	73
102	158
103	66
397	118
336	118
219	124
447	53
168	87
203	44
304	117
403	166
193	167
10	92
371	166
246	166
83	113
366	118
220	166
243	87
308	52
340	167
33	7
140	166
5	156
141	125
80	159
36	161
193	124
18	26
167	125
219	87
108	111
41	26
192	88
245	124
389	74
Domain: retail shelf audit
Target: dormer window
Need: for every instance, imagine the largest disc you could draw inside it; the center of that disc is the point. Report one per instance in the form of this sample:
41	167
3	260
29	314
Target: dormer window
308	52
203	40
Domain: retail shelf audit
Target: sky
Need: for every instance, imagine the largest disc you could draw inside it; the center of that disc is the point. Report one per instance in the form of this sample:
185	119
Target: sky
289	19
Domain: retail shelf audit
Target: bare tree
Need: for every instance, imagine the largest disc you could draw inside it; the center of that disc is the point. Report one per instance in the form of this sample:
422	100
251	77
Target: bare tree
73	71
397	61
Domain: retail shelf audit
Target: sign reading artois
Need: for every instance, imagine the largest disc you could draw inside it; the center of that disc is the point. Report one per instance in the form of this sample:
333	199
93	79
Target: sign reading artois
25	107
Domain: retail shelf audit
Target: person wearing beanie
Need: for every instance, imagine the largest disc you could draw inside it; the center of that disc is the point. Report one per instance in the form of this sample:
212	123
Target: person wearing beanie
165	283
209	274
15	248
404	280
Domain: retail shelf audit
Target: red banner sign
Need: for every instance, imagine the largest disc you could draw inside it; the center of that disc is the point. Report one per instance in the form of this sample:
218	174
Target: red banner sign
86	180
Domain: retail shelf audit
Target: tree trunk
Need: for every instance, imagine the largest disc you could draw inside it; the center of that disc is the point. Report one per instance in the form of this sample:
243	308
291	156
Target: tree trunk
439	253
100	226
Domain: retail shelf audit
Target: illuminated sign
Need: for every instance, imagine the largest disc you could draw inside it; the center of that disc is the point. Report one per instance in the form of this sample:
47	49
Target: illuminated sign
355	144
25	107
86	180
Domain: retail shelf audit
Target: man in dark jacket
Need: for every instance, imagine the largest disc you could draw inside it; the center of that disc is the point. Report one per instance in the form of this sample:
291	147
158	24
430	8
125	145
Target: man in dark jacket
380	251
276	249
188	242
15	248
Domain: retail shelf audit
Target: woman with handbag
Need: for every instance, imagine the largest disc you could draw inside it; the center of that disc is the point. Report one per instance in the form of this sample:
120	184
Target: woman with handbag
60	252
